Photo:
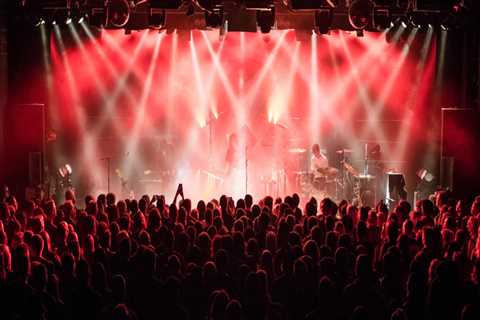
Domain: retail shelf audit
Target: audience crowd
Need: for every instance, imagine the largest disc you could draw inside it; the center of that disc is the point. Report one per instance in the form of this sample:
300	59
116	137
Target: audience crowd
104	258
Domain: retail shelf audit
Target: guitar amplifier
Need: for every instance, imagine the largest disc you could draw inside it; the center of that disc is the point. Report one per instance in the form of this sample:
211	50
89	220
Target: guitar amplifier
395	187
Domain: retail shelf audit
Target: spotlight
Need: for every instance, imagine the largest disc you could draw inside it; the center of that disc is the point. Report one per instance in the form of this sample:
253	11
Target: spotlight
118	13
212	19
222	30
190	10
65	171
414	25
82	18
266	20
40	22
425	184
97	17
54	22
381	19
425	175
156	18
423	19
323	20
64	177
360	13
68	21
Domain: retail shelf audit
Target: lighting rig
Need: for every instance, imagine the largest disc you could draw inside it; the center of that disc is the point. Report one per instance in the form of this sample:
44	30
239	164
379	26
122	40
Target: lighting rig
319	16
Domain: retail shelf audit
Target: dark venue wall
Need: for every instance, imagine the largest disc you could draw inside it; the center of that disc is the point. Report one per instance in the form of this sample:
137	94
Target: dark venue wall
23	115
3	79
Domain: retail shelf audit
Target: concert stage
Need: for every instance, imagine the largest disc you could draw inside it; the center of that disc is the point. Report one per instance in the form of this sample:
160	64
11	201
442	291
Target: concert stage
141	112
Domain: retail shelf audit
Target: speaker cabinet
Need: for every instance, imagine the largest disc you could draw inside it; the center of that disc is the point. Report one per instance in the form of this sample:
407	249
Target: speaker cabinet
24	146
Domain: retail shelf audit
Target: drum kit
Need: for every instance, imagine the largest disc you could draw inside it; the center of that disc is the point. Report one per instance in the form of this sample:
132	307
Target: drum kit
321	183
344	182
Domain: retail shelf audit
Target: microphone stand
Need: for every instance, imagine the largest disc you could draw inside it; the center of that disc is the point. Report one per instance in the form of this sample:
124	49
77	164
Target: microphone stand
210	134
107	160
246	169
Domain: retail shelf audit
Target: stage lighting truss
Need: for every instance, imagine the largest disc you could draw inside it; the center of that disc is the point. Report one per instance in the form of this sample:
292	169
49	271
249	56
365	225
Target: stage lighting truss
209	6
311	5
165	4
251	15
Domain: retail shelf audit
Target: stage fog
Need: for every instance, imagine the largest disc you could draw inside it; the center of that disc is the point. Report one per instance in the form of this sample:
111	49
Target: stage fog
159	108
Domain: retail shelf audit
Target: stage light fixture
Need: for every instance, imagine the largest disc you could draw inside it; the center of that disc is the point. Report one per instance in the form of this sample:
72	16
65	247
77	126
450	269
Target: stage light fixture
64	177
40	22
97	17
213	19
266	20
360	13
381	19
65	170
323	20
156	18
68	21
223	29
394	29
422	19
190	10
118	13
425	183
425	175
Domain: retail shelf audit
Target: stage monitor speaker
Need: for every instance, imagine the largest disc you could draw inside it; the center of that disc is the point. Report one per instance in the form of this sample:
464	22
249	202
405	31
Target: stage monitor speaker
24	146
460	145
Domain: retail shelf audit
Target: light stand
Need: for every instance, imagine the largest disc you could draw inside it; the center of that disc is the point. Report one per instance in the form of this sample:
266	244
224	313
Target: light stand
107	161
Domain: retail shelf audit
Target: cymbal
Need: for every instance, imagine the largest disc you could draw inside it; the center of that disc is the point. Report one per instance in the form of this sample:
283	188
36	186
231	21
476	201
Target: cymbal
297	150
344	151
366	176
300	172
327	171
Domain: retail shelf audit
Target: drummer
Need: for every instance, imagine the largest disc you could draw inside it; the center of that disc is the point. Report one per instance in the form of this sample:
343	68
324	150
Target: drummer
319	161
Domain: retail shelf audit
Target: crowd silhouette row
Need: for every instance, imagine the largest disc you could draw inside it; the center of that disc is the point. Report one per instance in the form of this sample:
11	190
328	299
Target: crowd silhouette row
103	258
